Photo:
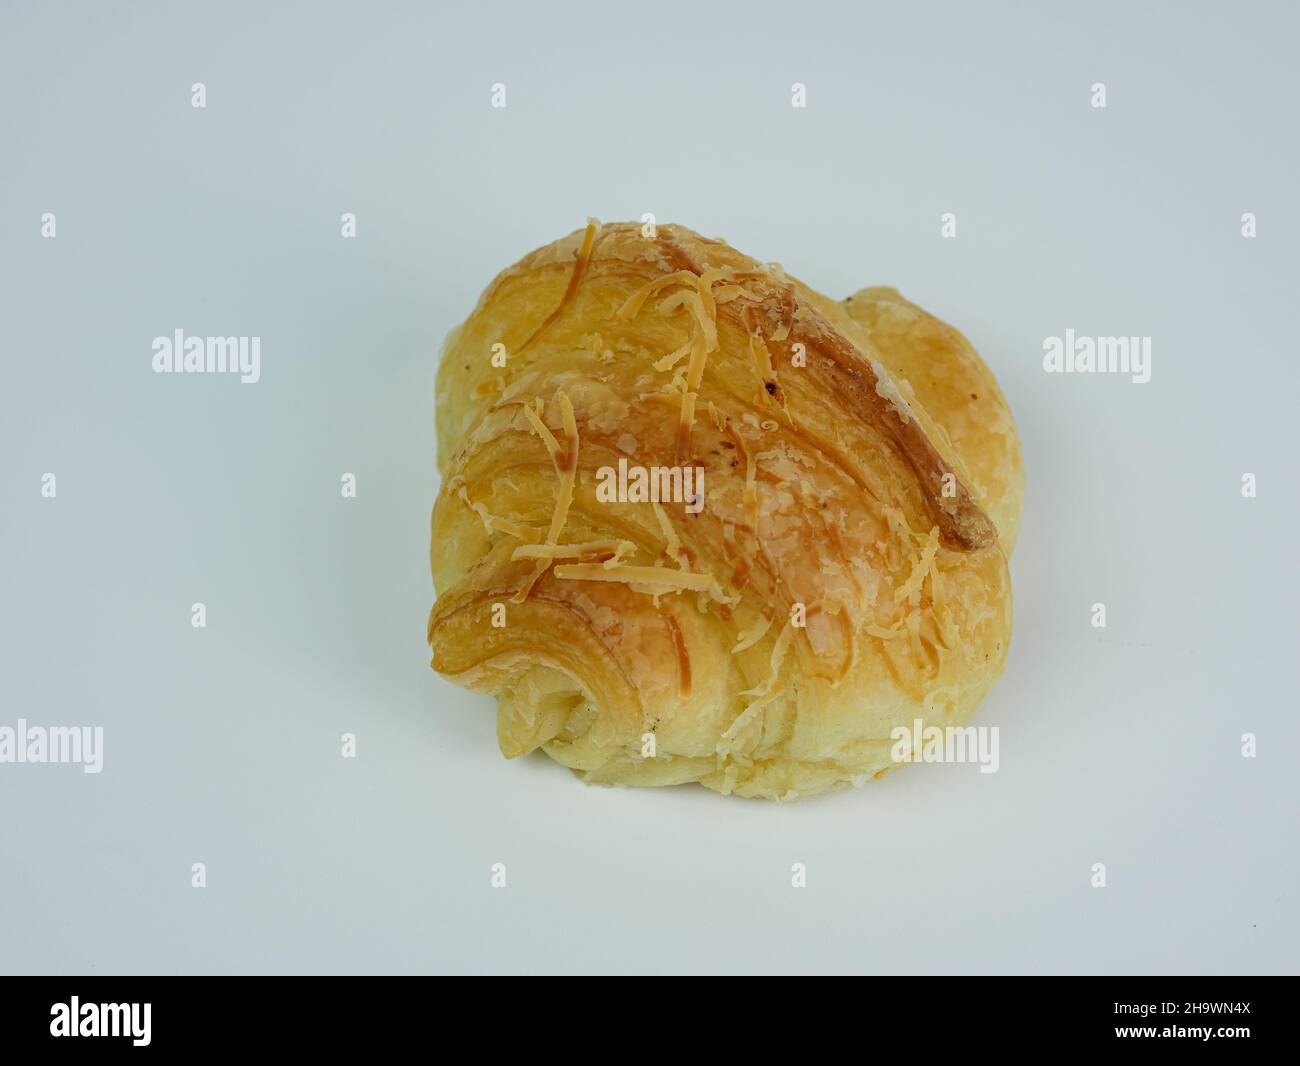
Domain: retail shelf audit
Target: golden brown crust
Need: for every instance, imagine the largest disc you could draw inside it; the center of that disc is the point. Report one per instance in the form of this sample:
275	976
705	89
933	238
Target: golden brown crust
848	371
958	391
840	579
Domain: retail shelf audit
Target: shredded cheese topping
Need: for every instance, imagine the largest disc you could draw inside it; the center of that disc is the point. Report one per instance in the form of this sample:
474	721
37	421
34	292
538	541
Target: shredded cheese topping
673	358
774	667
492	523
565	461
921	569
764	694
640	575
762	358
751	479
751	637
673	547
632	306
580	264
543	431
567	466
699	298
620	549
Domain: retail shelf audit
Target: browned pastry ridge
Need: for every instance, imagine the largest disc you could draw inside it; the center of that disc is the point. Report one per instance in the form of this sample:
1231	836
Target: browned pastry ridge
842	573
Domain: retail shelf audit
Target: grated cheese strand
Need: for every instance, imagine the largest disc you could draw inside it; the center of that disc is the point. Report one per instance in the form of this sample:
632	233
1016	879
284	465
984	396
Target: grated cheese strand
640	575
778	657
709	308
724	294
632	306
543	431
673	358
673	548
573	551
580	264
762	357
493	524
920	570
743	721
750	496
685	420
706	341
763	695
567	466
753	636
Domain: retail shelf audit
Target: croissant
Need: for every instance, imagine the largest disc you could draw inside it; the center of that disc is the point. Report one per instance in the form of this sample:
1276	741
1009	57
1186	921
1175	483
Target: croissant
699	523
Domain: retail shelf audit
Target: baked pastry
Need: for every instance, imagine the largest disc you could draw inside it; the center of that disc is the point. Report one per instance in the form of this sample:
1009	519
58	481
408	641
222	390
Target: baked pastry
833	492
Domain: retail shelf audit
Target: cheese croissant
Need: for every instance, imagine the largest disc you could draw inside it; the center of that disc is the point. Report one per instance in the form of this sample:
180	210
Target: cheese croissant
698	522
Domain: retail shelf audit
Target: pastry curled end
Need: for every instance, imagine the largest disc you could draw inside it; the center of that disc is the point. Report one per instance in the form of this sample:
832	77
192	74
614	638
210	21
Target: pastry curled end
706	525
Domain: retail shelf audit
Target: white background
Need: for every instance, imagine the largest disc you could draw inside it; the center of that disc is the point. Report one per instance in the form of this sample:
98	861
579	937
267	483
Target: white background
1119	745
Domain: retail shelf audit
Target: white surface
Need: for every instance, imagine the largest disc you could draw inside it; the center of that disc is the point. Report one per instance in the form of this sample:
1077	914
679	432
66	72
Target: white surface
1119	746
